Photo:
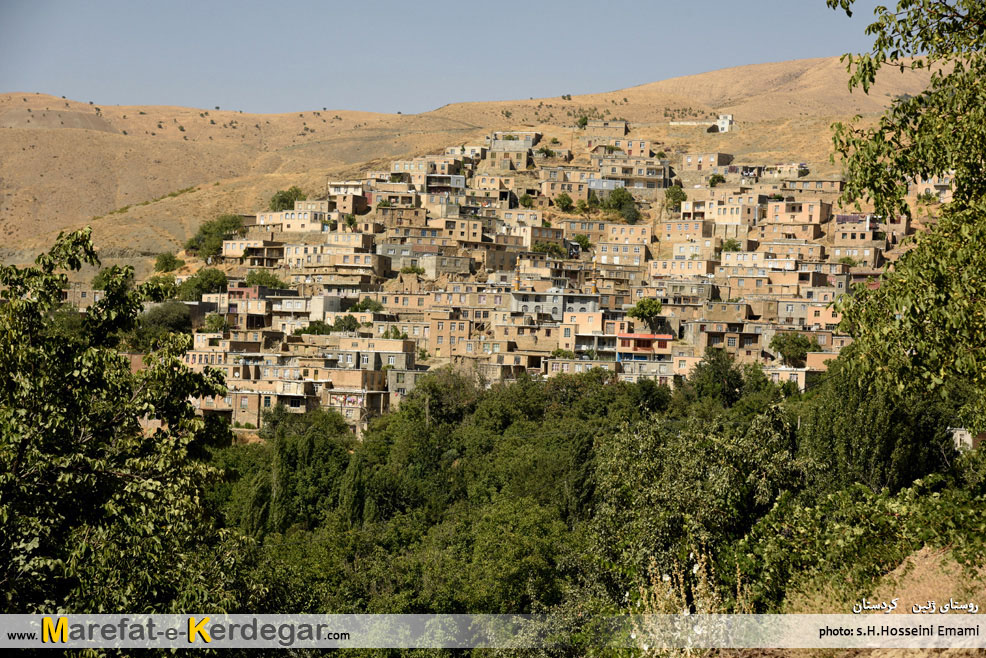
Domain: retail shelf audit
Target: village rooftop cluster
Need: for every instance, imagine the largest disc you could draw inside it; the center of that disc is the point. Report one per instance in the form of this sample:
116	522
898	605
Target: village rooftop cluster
522	254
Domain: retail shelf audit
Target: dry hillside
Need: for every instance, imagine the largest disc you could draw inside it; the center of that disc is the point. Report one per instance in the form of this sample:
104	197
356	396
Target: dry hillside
146	176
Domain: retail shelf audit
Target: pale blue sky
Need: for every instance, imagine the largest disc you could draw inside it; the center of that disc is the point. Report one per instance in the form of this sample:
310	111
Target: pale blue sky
393	56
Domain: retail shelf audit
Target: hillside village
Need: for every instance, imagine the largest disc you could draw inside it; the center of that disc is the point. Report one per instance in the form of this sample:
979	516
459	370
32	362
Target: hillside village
519	255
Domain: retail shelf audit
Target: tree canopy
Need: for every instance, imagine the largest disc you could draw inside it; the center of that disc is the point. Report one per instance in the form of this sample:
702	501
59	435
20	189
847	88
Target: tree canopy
206	280
99	511
284	199
264	278
924	325
794	347
564	202
674	196
367	304
208	240
167	262
648	311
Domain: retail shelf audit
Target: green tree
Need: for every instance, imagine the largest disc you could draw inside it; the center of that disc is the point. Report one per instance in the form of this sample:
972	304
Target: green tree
158	322
794	347
648	311
205	281
367	305
91	502
315	327
564	202
284	199
857	433
732	244
165	283
412	269
562	354
715	179
549	248
167	262
674	196
526	200
619	198
582	122
582	207
593	200
345	323
208	240
266	279
104	275
393	332
717	378
583	241
214	323
923	326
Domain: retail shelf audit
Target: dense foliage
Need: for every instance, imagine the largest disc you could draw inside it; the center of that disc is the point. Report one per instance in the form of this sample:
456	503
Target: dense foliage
208	240
167	262
924	326
266	279
98	510
203	282
284	199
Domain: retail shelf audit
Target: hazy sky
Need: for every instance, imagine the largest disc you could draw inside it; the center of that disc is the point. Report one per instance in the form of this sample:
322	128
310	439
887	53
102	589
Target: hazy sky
393	56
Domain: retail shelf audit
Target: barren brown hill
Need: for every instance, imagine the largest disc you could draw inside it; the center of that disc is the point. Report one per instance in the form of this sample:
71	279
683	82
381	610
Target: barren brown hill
145	177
